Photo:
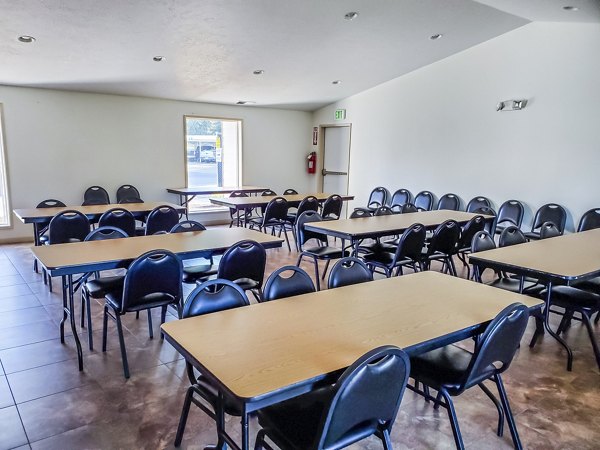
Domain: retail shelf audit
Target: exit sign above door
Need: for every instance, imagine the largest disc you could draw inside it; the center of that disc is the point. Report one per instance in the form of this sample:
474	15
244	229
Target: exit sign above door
340	114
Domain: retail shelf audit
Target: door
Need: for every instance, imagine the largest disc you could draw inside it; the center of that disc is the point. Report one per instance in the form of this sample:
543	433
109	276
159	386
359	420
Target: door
336	161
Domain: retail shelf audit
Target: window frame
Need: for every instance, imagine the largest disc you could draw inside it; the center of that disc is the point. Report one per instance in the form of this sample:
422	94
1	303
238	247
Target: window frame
4	168
240	162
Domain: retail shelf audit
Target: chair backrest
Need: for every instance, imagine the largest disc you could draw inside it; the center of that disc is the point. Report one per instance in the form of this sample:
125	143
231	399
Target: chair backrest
95	195
104	233
411	243
378	197
245	259
424	200
309	203
360	212
511	211
332	207
408	208
474	225
478	202
347	271
589	220
302	235
400	197
268	193
383	211
366	396
238	194
154	276
278	286
511	236
548	230
497	345
551	212
444	239
161	218
290	192
490	225
212	296
276	209
120	218
51	203
187	225
127	191
482	241
68	226
450	202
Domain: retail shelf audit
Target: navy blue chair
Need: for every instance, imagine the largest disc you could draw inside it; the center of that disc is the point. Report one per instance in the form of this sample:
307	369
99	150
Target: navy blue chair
399	198
239	220
98	287
510	213
274	217
194	270
332	207
451	370
450	202
128	194
244	264
321	251
364	401
378	197
279	286
41	228
153	280
424	201
359	213
463	248
95	195
478	202
590	220
119	218
442	246
550	212
68	226
348	271
209	297
162	218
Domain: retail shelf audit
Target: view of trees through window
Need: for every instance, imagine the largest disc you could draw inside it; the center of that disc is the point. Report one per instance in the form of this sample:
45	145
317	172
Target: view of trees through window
213	154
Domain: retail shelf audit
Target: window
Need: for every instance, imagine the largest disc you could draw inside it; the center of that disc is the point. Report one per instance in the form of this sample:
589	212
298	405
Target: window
4	208
213	150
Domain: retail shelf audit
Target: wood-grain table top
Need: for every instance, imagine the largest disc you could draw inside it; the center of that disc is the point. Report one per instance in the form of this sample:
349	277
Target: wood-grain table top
30	215
253	202
259	349
80	256
378	225
569	257
207	190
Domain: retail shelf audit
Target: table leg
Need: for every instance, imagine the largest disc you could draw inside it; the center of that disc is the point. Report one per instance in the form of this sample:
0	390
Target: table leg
73	326
36	242
245	430
354	244
64	317
238	216
552	333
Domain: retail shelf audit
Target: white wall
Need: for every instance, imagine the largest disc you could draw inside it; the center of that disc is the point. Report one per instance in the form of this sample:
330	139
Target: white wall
437	128
58	143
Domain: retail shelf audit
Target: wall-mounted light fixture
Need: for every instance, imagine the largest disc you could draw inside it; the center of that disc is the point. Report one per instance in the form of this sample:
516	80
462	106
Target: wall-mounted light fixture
511	105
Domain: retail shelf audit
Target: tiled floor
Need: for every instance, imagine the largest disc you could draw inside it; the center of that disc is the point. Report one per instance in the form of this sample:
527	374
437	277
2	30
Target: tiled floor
46	403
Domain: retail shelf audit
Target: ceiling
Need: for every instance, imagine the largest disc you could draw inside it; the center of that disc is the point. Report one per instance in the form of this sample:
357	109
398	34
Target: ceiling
212	47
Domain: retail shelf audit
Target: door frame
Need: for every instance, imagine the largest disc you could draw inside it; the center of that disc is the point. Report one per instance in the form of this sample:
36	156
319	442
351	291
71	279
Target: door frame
321	153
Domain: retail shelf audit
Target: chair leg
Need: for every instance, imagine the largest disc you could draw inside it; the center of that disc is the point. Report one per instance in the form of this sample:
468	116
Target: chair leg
539	330
453	420
317	273
452	266
287	239
137	315
86	308
498	405
82	318
325	270
104	328
122	345
387	442
509	416
184	415
260	438
150	330
591	334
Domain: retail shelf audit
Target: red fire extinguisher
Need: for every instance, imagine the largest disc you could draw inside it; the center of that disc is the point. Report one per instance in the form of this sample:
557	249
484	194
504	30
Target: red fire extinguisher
311	164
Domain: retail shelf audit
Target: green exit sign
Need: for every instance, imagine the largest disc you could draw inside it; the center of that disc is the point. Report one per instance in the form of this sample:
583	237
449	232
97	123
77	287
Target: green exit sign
340	114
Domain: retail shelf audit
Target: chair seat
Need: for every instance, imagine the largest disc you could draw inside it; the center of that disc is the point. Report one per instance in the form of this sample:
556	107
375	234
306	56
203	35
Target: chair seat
115	299
294	423
533	235
592	285
445	366
246	283
99	287
512	285
191	274
325	252
566	296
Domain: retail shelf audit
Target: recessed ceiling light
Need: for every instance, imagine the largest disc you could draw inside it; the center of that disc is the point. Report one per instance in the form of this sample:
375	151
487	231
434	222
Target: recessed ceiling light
245	102
351	15
159	58
26	39
435	37
258	72
336	82
570	8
